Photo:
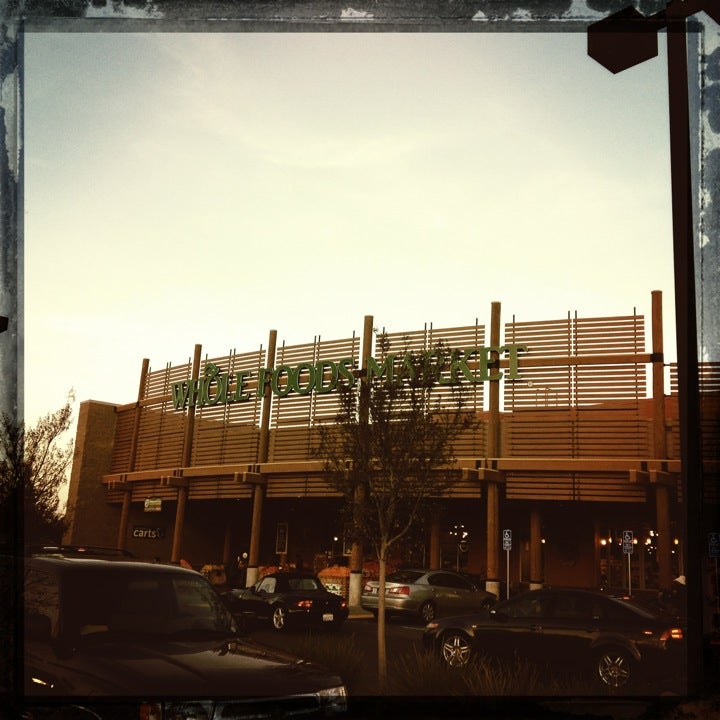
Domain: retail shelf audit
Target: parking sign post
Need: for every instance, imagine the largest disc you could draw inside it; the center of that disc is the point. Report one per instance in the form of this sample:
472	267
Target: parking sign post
627	537
507	547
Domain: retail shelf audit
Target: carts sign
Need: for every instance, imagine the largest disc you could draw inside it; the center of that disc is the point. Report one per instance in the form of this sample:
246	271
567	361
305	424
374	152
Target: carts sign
473	365
148	533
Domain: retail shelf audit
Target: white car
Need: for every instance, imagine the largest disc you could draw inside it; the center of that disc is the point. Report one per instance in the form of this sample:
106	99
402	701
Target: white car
427	594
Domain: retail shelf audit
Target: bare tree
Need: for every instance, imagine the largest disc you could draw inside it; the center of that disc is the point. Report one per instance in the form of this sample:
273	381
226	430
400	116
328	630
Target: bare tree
33	466
391	449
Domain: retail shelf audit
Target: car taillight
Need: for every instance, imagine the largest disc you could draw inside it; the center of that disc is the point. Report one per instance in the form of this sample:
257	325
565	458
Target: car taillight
304	603
343	604
672	634
400	590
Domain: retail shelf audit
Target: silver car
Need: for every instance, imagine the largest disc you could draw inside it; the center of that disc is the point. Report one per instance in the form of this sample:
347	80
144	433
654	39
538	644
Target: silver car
426	594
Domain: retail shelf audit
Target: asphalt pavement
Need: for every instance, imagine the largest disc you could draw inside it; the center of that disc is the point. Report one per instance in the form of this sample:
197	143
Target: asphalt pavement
654	708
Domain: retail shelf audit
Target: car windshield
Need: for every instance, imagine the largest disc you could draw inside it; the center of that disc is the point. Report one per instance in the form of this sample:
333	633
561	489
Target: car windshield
107	604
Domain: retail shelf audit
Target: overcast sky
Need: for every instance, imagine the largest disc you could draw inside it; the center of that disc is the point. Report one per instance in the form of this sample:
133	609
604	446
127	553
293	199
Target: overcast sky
207	188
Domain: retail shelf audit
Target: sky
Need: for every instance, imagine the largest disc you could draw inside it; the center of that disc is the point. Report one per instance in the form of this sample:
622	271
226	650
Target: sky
185	188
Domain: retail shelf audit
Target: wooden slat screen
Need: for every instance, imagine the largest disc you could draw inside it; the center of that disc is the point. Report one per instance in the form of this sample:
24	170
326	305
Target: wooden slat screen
528	433
456	338
122	445
160	439
598	487
540	386
161	429
581	385
299	485
217	488
576	433
295	417
229	433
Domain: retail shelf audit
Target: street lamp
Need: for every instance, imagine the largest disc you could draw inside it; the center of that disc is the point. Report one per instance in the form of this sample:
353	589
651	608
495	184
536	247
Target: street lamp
618	42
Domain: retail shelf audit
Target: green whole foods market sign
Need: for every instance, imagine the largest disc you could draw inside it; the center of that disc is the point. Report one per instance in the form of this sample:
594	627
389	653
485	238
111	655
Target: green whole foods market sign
217	388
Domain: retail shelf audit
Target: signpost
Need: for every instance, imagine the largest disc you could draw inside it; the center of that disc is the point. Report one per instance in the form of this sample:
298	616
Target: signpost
507	547
627	539
281	539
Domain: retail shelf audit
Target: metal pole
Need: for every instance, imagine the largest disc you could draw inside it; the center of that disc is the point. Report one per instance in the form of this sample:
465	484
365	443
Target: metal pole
507	574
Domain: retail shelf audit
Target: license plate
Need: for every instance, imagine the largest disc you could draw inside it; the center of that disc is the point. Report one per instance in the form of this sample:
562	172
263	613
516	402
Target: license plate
328	617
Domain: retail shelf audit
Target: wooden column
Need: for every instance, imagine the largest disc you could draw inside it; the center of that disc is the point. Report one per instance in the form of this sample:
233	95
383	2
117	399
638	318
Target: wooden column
127	496
124	519
263	453
357	551
662	492
252	569
536	564
182	493
182	486
492	583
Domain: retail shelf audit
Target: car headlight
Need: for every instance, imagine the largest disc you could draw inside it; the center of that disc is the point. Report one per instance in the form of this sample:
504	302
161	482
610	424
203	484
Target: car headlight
333	700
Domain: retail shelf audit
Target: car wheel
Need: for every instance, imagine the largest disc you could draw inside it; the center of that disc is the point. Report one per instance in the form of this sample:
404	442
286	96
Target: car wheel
427	611
614	669
456	649
279	617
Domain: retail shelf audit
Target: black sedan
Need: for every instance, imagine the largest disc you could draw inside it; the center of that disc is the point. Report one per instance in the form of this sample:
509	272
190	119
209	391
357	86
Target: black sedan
614	641
289	597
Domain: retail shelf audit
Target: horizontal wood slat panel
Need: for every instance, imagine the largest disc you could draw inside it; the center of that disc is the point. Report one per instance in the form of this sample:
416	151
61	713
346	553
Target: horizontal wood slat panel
122	446
599	487
160	439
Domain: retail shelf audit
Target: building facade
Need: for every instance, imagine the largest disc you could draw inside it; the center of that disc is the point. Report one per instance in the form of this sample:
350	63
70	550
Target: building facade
577	446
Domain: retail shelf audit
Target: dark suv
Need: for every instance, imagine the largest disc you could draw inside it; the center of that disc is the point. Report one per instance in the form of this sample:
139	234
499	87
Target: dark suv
159	638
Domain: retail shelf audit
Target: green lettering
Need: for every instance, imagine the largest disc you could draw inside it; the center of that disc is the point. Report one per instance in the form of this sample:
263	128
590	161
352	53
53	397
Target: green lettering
345	369
180	393
513	359
291	381
320	369
375	370
240	383
484	357
305	369
263	380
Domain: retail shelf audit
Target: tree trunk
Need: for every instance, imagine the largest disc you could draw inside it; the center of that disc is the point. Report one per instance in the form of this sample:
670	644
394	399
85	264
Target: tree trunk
382	654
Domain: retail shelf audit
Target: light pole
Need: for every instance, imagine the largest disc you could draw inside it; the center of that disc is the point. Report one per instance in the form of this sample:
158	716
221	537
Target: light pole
618	42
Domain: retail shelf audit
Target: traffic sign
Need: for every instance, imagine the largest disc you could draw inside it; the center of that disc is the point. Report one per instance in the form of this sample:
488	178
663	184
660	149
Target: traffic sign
507	539
714	544
627	541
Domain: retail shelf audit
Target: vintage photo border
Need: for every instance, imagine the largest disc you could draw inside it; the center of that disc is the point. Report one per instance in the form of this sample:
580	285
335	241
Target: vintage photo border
17	18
